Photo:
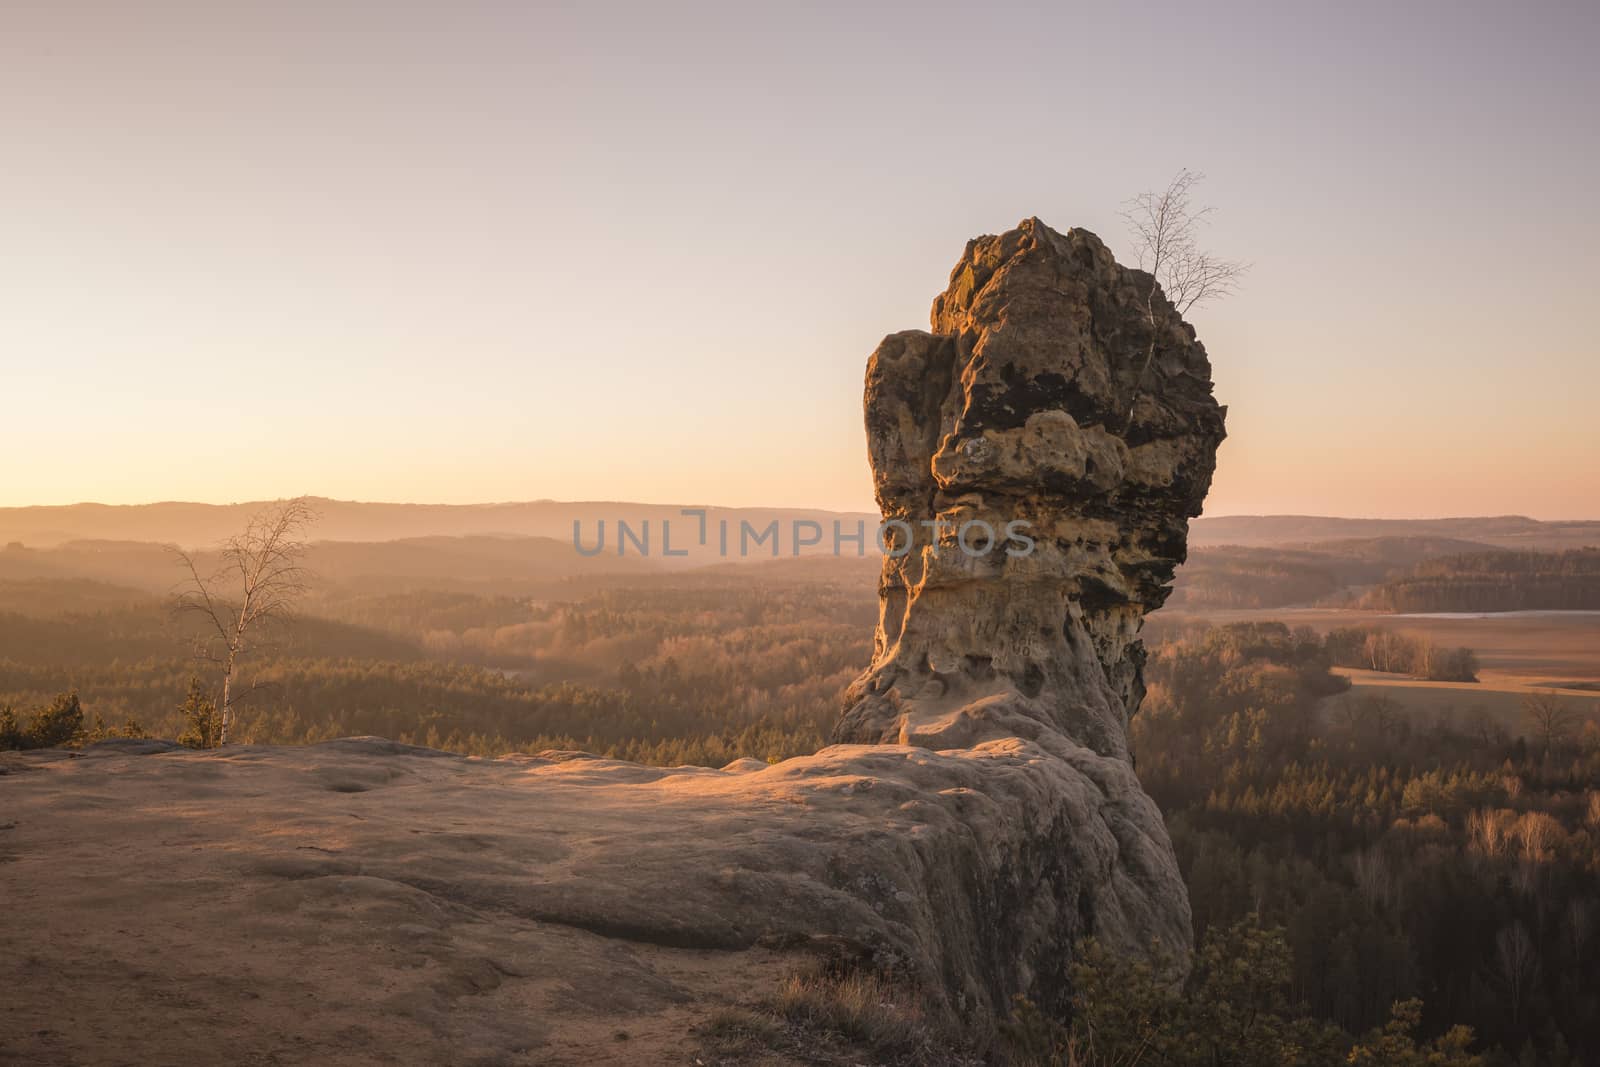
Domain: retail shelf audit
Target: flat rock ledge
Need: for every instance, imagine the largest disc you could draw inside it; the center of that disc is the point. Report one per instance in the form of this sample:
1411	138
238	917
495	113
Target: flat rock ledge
363	901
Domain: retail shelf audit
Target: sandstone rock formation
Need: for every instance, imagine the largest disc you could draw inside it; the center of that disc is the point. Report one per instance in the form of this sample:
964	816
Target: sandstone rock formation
361	901
1048	392
1059	390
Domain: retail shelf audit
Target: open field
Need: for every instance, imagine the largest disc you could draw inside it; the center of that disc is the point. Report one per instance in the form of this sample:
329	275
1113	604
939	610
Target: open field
1535	647
1498	696
1520	652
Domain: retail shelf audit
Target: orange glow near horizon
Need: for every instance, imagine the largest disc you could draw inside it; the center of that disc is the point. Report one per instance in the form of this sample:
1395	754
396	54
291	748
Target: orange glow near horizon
510	255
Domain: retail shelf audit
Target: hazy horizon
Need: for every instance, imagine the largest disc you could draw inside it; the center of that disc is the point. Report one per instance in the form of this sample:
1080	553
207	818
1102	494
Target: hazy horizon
758	506
626	252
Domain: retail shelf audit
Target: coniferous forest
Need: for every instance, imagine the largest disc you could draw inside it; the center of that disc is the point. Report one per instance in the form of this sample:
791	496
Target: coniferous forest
1495	581
1366	856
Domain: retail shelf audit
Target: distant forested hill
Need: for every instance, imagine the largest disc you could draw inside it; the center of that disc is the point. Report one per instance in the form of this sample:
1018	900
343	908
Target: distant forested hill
202	525
1502	531
1253	576
199	525
1495	581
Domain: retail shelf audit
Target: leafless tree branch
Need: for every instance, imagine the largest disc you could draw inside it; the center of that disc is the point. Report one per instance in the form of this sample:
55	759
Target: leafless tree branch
260	570
1165	228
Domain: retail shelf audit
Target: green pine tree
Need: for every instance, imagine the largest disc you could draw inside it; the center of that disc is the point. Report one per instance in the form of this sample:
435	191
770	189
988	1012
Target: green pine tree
202	723
61	723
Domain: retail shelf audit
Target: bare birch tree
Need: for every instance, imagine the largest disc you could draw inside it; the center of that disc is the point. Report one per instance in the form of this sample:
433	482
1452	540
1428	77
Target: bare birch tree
1518	962
1166	239
1548	718
257	580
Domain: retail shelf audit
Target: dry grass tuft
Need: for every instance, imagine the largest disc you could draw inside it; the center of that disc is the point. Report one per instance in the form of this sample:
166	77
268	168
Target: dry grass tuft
733	1029
859	1007
820	1015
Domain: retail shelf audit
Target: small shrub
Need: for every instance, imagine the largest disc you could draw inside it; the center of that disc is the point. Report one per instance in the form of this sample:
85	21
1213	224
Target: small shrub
130	727
10	730
1033	1039
59	723
202	723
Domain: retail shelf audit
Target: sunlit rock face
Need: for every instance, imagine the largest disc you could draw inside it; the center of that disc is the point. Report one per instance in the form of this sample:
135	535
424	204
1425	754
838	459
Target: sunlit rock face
1058	396
1055	397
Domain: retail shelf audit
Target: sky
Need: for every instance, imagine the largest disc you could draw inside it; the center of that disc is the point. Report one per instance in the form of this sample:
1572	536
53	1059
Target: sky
477	252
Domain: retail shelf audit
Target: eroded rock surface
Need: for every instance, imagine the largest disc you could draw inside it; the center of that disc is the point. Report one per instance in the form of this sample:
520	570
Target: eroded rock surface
1058	395
366	902
1049	393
